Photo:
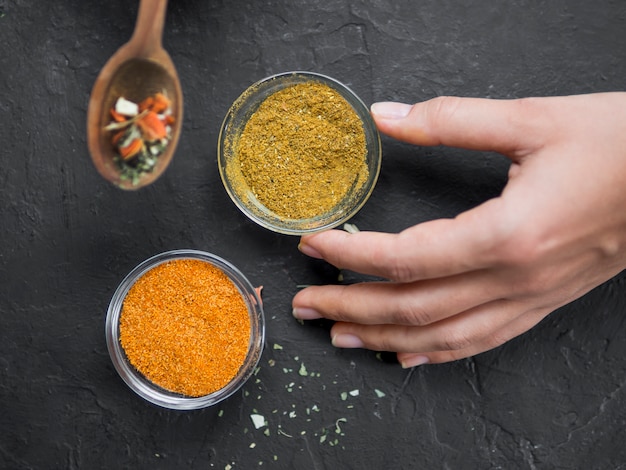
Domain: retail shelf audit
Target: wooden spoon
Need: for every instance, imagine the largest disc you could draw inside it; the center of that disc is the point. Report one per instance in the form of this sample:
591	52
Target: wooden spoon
140	68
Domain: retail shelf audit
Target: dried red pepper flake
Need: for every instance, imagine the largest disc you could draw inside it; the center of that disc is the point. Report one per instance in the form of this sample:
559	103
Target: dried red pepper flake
146	104
152	127
118	117
117	137
133	148
159	103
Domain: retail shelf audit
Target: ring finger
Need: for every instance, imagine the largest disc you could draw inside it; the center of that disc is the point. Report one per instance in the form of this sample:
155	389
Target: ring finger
459	332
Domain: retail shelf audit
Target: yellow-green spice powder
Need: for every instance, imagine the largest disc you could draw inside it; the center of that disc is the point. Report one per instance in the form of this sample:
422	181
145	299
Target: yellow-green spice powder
303	151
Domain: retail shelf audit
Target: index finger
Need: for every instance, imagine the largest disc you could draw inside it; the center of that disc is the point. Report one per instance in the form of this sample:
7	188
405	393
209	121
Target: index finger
437	248
511	127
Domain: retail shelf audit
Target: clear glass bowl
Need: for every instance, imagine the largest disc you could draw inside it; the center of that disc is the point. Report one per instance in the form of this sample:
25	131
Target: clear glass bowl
152	392
234	123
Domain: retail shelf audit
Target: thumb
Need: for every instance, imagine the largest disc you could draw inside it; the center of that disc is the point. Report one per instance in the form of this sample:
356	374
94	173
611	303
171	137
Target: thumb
474	123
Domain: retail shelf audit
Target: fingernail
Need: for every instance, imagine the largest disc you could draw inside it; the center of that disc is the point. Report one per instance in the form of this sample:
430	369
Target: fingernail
414	362
303	313
347	341
391	110
309	251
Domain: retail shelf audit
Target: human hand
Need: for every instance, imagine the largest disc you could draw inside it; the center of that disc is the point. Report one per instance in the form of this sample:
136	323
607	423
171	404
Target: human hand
459	287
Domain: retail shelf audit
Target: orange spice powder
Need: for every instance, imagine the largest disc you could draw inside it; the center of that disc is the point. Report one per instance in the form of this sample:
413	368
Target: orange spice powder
185	326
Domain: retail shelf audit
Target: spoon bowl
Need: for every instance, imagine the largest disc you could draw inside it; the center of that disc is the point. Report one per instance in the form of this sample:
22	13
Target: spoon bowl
140	68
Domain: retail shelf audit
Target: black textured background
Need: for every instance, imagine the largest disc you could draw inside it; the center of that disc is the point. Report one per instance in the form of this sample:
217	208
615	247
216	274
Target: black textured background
553	398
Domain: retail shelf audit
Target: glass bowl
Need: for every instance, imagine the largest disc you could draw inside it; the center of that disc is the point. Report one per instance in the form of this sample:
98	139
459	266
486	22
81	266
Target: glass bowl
149	390
242	195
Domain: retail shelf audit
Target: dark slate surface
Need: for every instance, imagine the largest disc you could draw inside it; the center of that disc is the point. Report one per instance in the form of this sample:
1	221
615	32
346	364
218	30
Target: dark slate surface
553	398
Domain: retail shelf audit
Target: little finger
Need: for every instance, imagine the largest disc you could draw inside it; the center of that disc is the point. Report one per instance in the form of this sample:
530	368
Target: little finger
518	327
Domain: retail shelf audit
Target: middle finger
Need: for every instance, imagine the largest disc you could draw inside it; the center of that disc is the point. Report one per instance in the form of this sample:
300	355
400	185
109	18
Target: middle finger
415	303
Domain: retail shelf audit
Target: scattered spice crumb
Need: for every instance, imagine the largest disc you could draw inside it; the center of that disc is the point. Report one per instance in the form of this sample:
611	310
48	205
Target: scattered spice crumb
329	434
280	431
351	228
258	421
337	427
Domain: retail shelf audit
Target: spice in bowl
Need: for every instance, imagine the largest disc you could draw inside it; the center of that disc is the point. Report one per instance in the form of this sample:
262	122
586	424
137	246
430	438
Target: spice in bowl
298	152
140	132
185	329
169	322
303	150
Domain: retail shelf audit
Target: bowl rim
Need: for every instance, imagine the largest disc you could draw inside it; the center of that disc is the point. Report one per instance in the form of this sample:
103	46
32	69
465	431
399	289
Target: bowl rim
150	391
374	149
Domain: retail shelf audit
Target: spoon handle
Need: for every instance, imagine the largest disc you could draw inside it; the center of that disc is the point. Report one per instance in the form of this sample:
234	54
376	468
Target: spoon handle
148	33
